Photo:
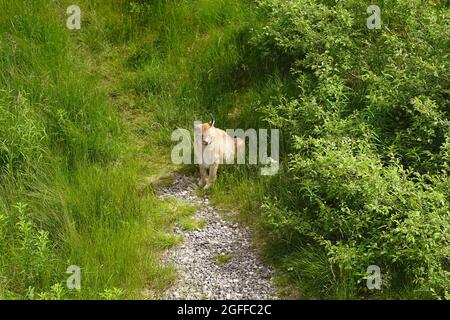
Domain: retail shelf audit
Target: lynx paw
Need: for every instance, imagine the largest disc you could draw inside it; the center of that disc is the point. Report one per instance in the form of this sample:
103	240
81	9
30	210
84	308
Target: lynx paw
201	183
207	186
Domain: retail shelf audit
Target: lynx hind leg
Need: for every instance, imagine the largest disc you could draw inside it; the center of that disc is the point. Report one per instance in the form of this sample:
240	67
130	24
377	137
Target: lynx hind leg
203	176
212	175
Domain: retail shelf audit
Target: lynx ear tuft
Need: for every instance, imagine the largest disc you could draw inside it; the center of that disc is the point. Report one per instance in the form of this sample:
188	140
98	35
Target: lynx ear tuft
212	121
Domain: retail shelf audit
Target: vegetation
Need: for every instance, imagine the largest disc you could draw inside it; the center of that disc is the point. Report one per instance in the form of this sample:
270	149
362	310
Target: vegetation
222	259
86	118
71	184
366	177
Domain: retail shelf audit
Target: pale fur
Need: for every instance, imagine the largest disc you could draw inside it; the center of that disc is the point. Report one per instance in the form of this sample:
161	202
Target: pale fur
213	147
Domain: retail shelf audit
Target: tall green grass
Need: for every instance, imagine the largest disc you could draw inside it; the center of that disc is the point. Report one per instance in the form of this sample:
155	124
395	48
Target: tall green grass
69	178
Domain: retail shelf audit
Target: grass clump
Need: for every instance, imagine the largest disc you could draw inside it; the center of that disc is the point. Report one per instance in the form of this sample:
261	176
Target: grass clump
68	174
222	259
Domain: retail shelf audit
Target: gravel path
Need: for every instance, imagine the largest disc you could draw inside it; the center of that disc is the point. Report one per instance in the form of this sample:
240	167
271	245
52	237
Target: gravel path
201	276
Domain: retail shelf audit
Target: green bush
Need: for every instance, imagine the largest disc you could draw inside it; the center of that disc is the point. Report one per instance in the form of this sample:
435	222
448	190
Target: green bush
361	212
367	138
27	256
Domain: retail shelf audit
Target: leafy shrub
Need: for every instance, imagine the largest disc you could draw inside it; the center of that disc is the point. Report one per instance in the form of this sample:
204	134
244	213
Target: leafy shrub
26	252
368	139
362	213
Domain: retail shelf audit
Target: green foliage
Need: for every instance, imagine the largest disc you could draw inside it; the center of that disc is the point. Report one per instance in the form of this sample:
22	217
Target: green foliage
222	259
112	294
24	141
342	198
365	130
26	251
365	140
368	141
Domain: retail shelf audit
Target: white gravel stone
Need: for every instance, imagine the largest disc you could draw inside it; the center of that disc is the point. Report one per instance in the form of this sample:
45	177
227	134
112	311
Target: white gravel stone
244	276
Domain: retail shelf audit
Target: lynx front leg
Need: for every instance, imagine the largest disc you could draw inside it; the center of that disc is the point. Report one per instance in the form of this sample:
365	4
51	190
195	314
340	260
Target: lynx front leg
212	175
203	176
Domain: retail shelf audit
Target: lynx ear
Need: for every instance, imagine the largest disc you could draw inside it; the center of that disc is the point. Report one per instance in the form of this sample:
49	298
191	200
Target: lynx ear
212	121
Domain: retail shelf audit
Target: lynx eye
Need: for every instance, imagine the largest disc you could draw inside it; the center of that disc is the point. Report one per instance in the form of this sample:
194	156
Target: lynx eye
206	140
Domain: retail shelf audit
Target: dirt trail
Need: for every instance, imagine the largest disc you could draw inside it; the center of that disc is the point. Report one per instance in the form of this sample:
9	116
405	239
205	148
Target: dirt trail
218	261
